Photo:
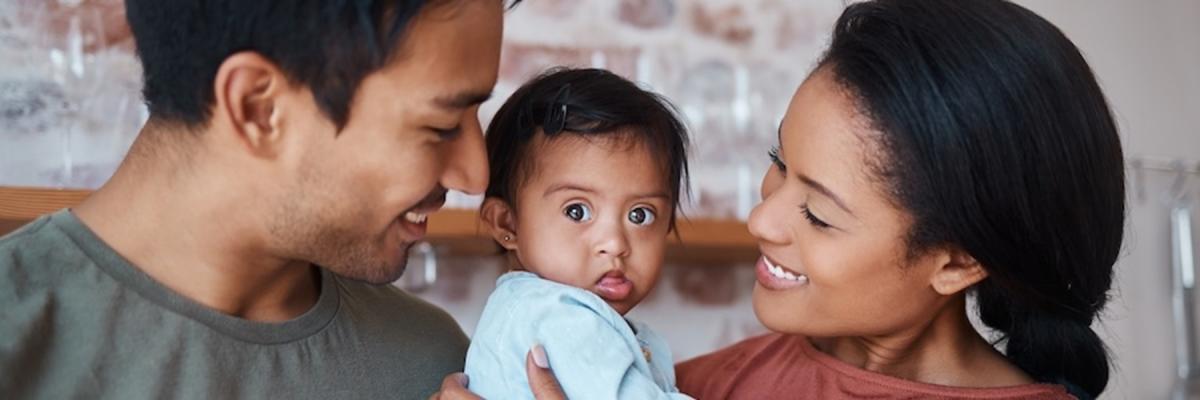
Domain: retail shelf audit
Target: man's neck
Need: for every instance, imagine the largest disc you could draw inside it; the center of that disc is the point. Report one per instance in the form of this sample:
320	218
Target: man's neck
189	229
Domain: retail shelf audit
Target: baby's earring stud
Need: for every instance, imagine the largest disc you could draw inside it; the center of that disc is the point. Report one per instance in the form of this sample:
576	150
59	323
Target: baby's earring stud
507	238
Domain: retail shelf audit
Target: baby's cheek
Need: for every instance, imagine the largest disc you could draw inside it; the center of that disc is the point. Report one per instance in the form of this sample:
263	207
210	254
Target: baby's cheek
560	266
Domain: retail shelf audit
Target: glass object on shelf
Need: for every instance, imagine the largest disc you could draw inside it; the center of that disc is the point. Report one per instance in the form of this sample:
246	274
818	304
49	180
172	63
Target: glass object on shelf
733	110
70	101
705	96
421	271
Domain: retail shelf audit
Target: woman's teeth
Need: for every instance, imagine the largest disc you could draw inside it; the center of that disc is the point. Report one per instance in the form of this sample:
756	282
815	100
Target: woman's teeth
781	273
415	217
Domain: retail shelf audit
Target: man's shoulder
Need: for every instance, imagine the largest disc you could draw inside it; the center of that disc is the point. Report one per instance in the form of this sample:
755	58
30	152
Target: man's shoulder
389	305
407	333
26	238
36	255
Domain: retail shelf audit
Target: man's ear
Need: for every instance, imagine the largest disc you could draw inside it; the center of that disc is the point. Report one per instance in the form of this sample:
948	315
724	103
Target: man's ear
248	88
500	221
956	271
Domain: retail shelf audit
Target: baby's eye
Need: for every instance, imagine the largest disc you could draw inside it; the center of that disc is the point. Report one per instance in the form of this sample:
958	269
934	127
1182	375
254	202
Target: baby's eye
641	216
578	212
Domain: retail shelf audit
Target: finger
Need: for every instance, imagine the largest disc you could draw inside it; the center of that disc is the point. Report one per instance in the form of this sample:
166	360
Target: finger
541	378
454	387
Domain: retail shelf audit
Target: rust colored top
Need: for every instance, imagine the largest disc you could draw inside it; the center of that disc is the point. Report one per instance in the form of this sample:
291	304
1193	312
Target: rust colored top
776	366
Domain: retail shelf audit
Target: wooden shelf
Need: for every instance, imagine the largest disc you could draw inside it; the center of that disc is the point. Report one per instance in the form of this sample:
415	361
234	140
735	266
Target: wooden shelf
704	241
25	204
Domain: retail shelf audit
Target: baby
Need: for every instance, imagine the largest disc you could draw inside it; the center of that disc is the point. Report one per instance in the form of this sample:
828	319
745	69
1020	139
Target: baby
586	177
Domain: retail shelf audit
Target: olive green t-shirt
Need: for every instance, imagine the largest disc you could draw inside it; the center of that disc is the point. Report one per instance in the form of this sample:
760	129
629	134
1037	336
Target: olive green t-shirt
79	321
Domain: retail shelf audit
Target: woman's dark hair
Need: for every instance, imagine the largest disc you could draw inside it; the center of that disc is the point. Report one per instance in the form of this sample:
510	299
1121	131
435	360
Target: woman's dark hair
588	102
996	137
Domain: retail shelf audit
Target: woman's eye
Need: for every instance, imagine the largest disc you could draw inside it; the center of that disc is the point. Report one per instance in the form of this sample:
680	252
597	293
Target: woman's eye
578	212
641	216
812	219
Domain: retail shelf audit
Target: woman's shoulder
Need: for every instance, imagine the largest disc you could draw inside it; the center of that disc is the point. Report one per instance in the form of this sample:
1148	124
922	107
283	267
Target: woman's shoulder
778	366
732	372
737	354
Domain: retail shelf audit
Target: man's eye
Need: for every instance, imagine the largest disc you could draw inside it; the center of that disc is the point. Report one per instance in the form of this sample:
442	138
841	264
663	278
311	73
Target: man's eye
578	212
447	134
641	216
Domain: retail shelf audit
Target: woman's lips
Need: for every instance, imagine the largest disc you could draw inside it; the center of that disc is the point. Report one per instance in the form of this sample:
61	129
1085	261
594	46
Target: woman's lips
613	286
775	277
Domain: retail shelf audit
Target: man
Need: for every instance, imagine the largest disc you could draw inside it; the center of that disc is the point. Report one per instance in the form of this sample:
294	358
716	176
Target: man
243	248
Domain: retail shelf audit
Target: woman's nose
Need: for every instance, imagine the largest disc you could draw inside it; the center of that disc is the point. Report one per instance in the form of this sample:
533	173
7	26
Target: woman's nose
769	219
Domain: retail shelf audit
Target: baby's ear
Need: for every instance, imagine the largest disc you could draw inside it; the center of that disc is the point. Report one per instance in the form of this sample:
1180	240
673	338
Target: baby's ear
500	221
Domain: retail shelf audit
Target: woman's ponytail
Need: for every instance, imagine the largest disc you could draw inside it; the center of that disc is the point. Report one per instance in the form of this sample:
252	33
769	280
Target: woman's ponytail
1054	348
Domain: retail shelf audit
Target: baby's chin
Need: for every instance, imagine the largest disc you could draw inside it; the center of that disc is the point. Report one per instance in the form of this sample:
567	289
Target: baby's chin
619	308
625	306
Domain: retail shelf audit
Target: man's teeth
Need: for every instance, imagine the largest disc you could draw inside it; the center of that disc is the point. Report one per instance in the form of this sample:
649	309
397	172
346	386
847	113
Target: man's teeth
415	217
784	274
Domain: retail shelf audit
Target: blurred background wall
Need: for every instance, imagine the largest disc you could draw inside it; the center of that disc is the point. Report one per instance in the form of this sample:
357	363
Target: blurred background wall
69	107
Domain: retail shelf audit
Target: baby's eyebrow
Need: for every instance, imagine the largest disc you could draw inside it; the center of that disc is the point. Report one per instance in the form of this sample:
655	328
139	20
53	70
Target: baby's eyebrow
655	195
567	186
558	187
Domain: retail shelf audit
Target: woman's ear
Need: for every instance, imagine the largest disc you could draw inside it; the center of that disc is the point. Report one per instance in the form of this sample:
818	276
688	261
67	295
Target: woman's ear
956	271
500	221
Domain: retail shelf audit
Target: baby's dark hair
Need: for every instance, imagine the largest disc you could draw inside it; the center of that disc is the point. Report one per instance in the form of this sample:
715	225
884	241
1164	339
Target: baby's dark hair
588	102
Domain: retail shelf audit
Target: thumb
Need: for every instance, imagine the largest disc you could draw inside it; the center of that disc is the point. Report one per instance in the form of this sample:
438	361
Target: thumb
454	387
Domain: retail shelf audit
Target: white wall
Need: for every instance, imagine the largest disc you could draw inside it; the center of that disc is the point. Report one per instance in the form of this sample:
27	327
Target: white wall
1147	57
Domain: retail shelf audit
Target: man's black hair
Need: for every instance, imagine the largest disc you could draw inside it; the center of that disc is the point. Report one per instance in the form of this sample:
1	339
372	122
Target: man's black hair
328	46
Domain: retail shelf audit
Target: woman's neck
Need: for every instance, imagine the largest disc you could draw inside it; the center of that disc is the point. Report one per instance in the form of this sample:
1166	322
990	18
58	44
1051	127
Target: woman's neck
946	350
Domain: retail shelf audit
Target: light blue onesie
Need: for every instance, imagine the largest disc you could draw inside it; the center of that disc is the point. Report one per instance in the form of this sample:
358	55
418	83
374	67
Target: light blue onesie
593	351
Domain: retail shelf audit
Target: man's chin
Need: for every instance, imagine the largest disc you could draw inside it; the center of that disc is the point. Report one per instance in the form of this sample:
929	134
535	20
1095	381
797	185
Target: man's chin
376	273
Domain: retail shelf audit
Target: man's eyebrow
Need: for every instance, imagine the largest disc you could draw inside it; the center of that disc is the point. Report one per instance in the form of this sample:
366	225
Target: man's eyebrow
462	100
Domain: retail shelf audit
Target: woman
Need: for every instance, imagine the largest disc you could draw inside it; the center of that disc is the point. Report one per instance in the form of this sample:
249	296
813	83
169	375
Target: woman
940	148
